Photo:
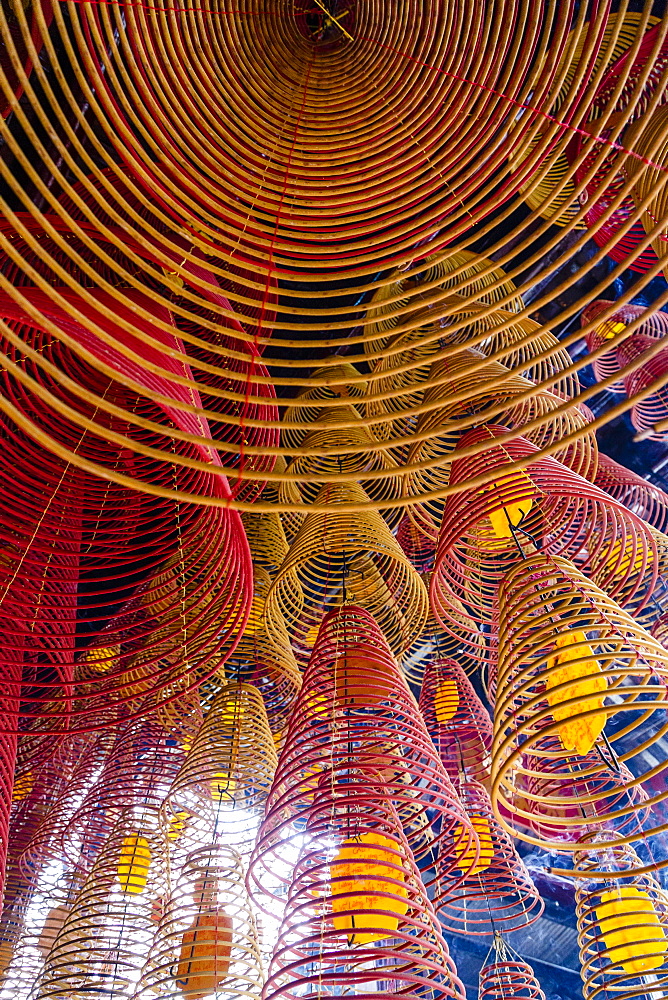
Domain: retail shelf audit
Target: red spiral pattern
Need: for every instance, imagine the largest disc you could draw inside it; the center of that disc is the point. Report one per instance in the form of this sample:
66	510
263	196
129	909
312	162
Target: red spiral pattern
509	977
355	734
569	517
456	720
500	896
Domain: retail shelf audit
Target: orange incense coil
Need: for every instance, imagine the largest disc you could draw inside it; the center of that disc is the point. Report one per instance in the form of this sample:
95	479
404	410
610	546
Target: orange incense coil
132	642
546	506
550	189
227	771
355	696
498	893
23	952
206	937
622	920
570	659
419	547
456	720
339	553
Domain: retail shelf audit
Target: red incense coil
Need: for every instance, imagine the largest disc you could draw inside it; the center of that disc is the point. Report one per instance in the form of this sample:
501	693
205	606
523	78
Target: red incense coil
497	894
356	729
544	506
456	720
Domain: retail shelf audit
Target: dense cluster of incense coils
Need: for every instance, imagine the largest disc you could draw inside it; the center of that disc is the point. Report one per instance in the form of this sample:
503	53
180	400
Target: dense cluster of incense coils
319	606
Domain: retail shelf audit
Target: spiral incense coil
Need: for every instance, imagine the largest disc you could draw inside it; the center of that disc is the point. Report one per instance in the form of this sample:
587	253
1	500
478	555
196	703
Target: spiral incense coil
417	546
654	325
551	190
89	385
457	400
560	798
622	920
570	659
497	894
660	630
266	539
456	720
28	942
337	556
487	530
206	939
504	974
225	777
200	241
340	382
460	272
273	493
107	932
33	793
358	913
399	375
653	48
400	384
264	659
517	342
633	491
648	137
123	571
645	71
135	778
652	409
268	663
46	841
622	244
431	641
352	452
355	726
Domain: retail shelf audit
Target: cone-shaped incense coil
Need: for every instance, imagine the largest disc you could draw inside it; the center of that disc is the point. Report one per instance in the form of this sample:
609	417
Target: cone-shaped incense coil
224	780
356	725
341	553
570	659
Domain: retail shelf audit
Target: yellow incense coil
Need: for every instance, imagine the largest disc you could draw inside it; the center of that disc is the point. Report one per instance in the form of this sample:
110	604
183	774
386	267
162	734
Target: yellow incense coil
371	865
446	700
576	661
133	864
466	854
631	929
